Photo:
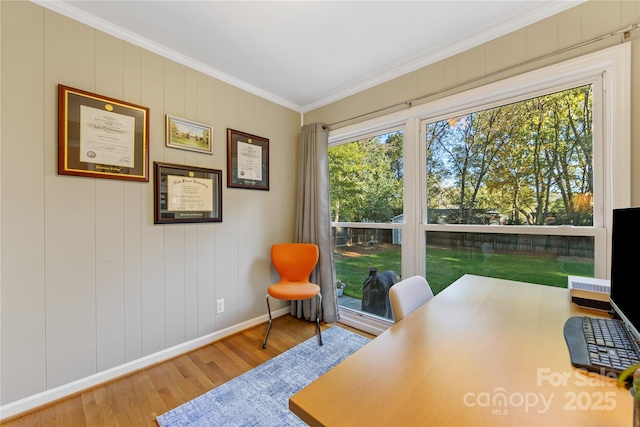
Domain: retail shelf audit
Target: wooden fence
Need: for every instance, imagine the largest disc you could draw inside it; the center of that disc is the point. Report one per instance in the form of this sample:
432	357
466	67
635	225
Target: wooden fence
543	245
567	246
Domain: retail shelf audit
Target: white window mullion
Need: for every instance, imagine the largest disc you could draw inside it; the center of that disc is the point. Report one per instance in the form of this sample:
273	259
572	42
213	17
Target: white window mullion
410	239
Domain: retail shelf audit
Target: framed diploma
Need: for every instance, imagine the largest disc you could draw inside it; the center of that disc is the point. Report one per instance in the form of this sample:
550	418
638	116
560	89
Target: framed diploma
247	161
101	137
188	135
187	194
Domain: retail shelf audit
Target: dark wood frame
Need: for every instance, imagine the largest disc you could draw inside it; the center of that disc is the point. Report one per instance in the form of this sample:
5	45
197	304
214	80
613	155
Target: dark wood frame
70	102
235	181
161	213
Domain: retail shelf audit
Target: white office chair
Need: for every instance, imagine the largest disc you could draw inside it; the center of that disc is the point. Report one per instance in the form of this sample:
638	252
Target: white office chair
407	295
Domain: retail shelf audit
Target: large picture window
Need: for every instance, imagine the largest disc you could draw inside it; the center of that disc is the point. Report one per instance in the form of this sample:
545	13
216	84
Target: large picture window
516	179
526	163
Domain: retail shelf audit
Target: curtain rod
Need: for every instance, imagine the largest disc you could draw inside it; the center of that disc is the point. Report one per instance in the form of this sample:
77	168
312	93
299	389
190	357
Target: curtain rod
408	104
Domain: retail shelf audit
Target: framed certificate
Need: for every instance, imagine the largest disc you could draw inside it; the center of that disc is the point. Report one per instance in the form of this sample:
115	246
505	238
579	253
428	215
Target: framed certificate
101	137
247	161
187	194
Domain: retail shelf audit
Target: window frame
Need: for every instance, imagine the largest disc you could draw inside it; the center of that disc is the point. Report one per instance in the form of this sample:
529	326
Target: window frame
610	72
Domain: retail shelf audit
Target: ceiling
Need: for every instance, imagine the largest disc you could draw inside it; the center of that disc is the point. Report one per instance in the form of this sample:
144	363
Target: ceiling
305	54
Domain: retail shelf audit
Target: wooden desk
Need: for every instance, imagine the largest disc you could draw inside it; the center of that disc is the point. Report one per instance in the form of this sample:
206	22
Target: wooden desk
484	352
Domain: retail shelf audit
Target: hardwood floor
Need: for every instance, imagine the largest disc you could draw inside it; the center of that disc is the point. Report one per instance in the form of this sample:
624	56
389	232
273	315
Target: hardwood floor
136	399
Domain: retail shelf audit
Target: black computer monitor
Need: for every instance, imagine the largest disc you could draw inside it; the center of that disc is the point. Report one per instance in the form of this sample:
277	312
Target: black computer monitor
625	267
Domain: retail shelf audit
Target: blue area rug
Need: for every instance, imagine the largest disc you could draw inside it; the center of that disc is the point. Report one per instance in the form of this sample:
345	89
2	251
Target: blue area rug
260	397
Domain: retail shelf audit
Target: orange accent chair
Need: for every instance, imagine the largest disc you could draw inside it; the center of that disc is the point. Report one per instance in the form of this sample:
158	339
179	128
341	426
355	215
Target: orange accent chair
294	262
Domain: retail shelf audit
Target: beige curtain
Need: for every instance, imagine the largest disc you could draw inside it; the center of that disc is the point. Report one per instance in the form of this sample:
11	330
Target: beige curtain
313	219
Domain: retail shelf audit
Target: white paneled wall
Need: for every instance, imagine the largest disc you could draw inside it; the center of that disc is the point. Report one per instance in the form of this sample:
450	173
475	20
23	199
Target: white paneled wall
88	282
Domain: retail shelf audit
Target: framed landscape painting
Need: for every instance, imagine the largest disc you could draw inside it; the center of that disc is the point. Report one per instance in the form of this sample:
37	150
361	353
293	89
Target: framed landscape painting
189	135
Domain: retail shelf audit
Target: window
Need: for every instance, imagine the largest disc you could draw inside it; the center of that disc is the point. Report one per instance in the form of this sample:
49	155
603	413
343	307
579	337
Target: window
526	163
515	179
366	179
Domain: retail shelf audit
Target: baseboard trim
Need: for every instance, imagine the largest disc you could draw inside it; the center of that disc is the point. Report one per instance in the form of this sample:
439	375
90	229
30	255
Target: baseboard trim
22	406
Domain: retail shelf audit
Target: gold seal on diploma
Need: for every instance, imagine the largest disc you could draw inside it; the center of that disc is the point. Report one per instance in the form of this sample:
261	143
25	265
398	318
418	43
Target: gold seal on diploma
108	107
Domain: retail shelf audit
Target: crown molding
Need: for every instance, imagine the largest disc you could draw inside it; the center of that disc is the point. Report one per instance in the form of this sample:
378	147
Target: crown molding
499	31
76	14
518	23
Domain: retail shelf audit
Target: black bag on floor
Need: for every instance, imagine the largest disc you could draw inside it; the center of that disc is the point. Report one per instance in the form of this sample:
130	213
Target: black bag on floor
375	292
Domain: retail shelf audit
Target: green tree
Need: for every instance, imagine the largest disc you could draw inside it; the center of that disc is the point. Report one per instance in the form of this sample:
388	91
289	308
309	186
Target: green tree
531	160
366	179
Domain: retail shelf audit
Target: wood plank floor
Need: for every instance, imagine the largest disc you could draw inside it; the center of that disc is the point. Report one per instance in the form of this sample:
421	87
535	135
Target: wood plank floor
136	399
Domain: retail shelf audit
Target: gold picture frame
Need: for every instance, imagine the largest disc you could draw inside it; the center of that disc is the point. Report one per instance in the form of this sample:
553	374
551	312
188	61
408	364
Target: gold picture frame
101	137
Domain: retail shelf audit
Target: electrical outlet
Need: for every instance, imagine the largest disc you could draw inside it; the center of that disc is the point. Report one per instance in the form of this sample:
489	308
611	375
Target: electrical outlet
220	305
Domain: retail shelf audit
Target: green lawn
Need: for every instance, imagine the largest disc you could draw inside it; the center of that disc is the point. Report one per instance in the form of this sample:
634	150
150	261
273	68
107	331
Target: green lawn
445	266
354	270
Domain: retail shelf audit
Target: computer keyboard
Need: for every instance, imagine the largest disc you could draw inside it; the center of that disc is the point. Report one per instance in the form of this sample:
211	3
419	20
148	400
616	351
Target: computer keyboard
600	345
